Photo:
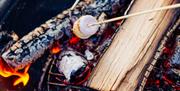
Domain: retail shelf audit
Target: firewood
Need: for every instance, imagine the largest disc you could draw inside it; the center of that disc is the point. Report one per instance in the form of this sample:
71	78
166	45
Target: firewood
133	47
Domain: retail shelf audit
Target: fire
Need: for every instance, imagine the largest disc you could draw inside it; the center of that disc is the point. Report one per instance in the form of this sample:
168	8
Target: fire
5	71
23	77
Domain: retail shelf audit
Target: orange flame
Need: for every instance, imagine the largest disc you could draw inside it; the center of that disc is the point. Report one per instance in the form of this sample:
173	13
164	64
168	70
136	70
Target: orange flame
6	71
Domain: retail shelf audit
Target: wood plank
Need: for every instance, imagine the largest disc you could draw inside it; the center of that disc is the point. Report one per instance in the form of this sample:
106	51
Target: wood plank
132	48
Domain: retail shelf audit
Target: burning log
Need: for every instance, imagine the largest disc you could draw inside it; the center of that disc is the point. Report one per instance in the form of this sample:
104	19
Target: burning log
33	45
123	64
6	40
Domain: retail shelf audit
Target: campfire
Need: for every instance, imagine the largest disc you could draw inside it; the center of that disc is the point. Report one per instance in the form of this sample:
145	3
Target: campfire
62	52
61	58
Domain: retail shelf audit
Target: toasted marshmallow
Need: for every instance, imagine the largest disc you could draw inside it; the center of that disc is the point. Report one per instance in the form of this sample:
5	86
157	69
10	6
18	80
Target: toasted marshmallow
82	29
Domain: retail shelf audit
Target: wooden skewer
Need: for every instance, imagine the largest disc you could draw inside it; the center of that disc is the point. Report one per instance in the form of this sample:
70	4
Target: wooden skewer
138	13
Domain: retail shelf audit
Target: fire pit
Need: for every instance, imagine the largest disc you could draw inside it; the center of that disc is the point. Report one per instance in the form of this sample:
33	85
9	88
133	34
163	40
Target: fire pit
56	56
51	57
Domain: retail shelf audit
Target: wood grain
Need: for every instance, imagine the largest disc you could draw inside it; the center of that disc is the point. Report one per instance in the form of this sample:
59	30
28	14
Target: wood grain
132	48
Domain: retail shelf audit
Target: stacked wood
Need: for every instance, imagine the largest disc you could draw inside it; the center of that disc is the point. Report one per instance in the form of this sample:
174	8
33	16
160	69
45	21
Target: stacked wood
124	63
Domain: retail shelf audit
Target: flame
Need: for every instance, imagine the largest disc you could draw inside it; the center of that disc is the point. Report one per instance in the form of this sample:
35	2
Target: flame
6	71
23	77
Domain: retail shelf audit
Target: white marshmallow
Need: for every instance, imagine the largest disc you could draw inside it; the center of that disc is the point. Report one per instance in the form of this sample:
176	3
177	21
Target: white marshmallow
84	22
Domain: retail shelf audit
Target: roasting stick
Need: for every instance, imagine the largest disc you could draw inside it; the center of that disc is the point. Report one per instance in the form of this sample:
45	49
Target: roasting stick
138	13
87	25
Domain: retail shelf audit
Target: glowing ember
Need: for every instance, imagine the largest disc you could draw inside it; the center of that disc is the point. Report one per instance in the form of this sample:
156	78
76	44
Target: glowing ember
5	71
164	76
56	48
74	40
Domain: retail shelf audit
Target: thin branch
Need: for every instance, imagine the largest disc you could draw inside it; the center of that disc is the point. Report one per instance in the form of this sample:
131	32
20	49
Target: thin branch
56	74
57	84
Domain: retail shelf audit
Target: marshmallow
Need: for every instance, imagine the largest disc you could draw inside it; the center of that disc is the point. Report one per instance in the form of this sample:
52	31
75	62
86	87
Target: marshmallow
81	28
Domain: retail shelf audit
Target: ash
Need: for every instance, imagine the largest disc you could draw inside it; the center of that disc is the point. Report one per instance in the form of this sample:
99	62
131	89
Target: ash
70	62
